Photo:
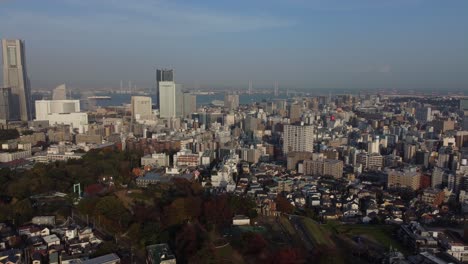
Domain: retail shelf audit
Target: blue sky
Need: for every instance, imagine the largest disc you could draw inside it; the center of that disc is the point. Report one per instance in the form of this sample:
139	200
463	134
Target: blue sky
311	44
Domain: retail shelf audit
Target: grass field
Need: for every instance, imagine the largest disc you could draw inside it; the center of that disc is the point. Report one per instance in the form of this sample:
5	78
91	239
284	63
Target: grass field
381	234
228	255
287	225
320	235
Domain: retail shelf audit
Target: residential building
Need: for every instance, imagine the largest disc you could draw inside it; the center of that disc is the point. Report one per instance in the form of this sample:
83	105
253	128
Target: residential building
155	159
434	197
408	178
298	138
324	167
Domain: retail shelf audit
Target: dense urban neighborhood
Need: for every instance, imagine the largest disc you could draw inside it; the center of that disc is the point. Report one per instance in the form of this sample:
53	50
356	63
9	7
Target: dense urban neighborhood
366	178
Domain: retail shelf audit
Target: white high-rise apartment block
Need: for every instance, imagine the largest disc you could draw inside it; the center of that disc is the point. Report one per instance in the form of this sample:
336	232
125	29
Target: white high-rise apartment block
141	108
374	145
61	112
298	138
171	100
15	76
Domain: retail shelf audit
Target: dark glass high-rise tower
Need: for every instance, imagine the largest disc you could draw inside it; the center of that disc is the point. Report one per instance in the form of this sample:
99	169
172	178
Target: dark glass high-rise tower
15	76
163	75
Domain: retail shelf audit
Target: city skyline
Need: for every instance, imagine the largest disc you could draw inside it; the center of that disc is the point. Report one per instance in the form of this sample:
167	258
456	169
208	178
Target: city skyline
301	44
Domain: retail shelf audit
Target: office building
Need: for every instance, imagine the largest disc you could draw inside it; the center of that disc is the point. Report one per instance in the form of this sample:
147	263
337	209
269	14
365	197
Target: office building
162	75
423	114
190	104
231	101
5	100
171	103
298	138
15	76
141	108
60	92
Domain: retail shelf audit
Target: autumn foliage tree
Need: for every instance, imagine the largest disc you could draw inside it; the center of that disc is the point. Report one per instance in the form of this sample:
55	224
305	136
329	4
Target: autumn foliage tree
283	205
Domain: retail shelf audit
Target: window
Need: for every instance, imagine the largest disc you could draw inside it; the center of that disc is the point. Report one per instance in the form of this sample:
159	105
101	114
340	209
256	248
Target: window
11	53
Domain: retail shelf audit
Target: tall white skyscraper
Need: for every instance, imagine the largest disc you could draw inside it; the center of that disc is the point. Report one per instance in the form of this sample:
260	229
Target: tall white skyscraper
162	75
171	100
298	138
15	76
141	107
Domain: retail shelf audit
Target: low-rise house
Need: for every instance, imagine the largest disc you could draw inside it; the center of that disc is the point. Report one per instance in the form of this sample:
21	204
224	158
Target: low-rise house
51	240
240	220
11	256
43	220
418	238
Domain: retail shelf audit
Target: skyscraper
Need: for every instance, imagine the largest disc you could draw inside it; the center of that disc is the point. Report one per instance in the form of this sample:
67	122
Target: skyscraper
162	75
190	104
171	100
5	100
16	77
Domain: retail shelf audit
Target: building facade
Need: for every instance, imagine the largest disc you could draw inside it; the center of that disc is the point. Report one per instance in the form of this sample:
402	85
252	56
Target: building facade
15	76
298	138
141	107
162	75
171	100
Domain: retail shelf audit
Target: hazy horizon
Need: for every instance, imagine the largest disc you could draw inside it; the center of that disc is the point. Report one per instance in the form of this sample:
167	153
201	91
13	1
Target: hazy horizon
316	44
